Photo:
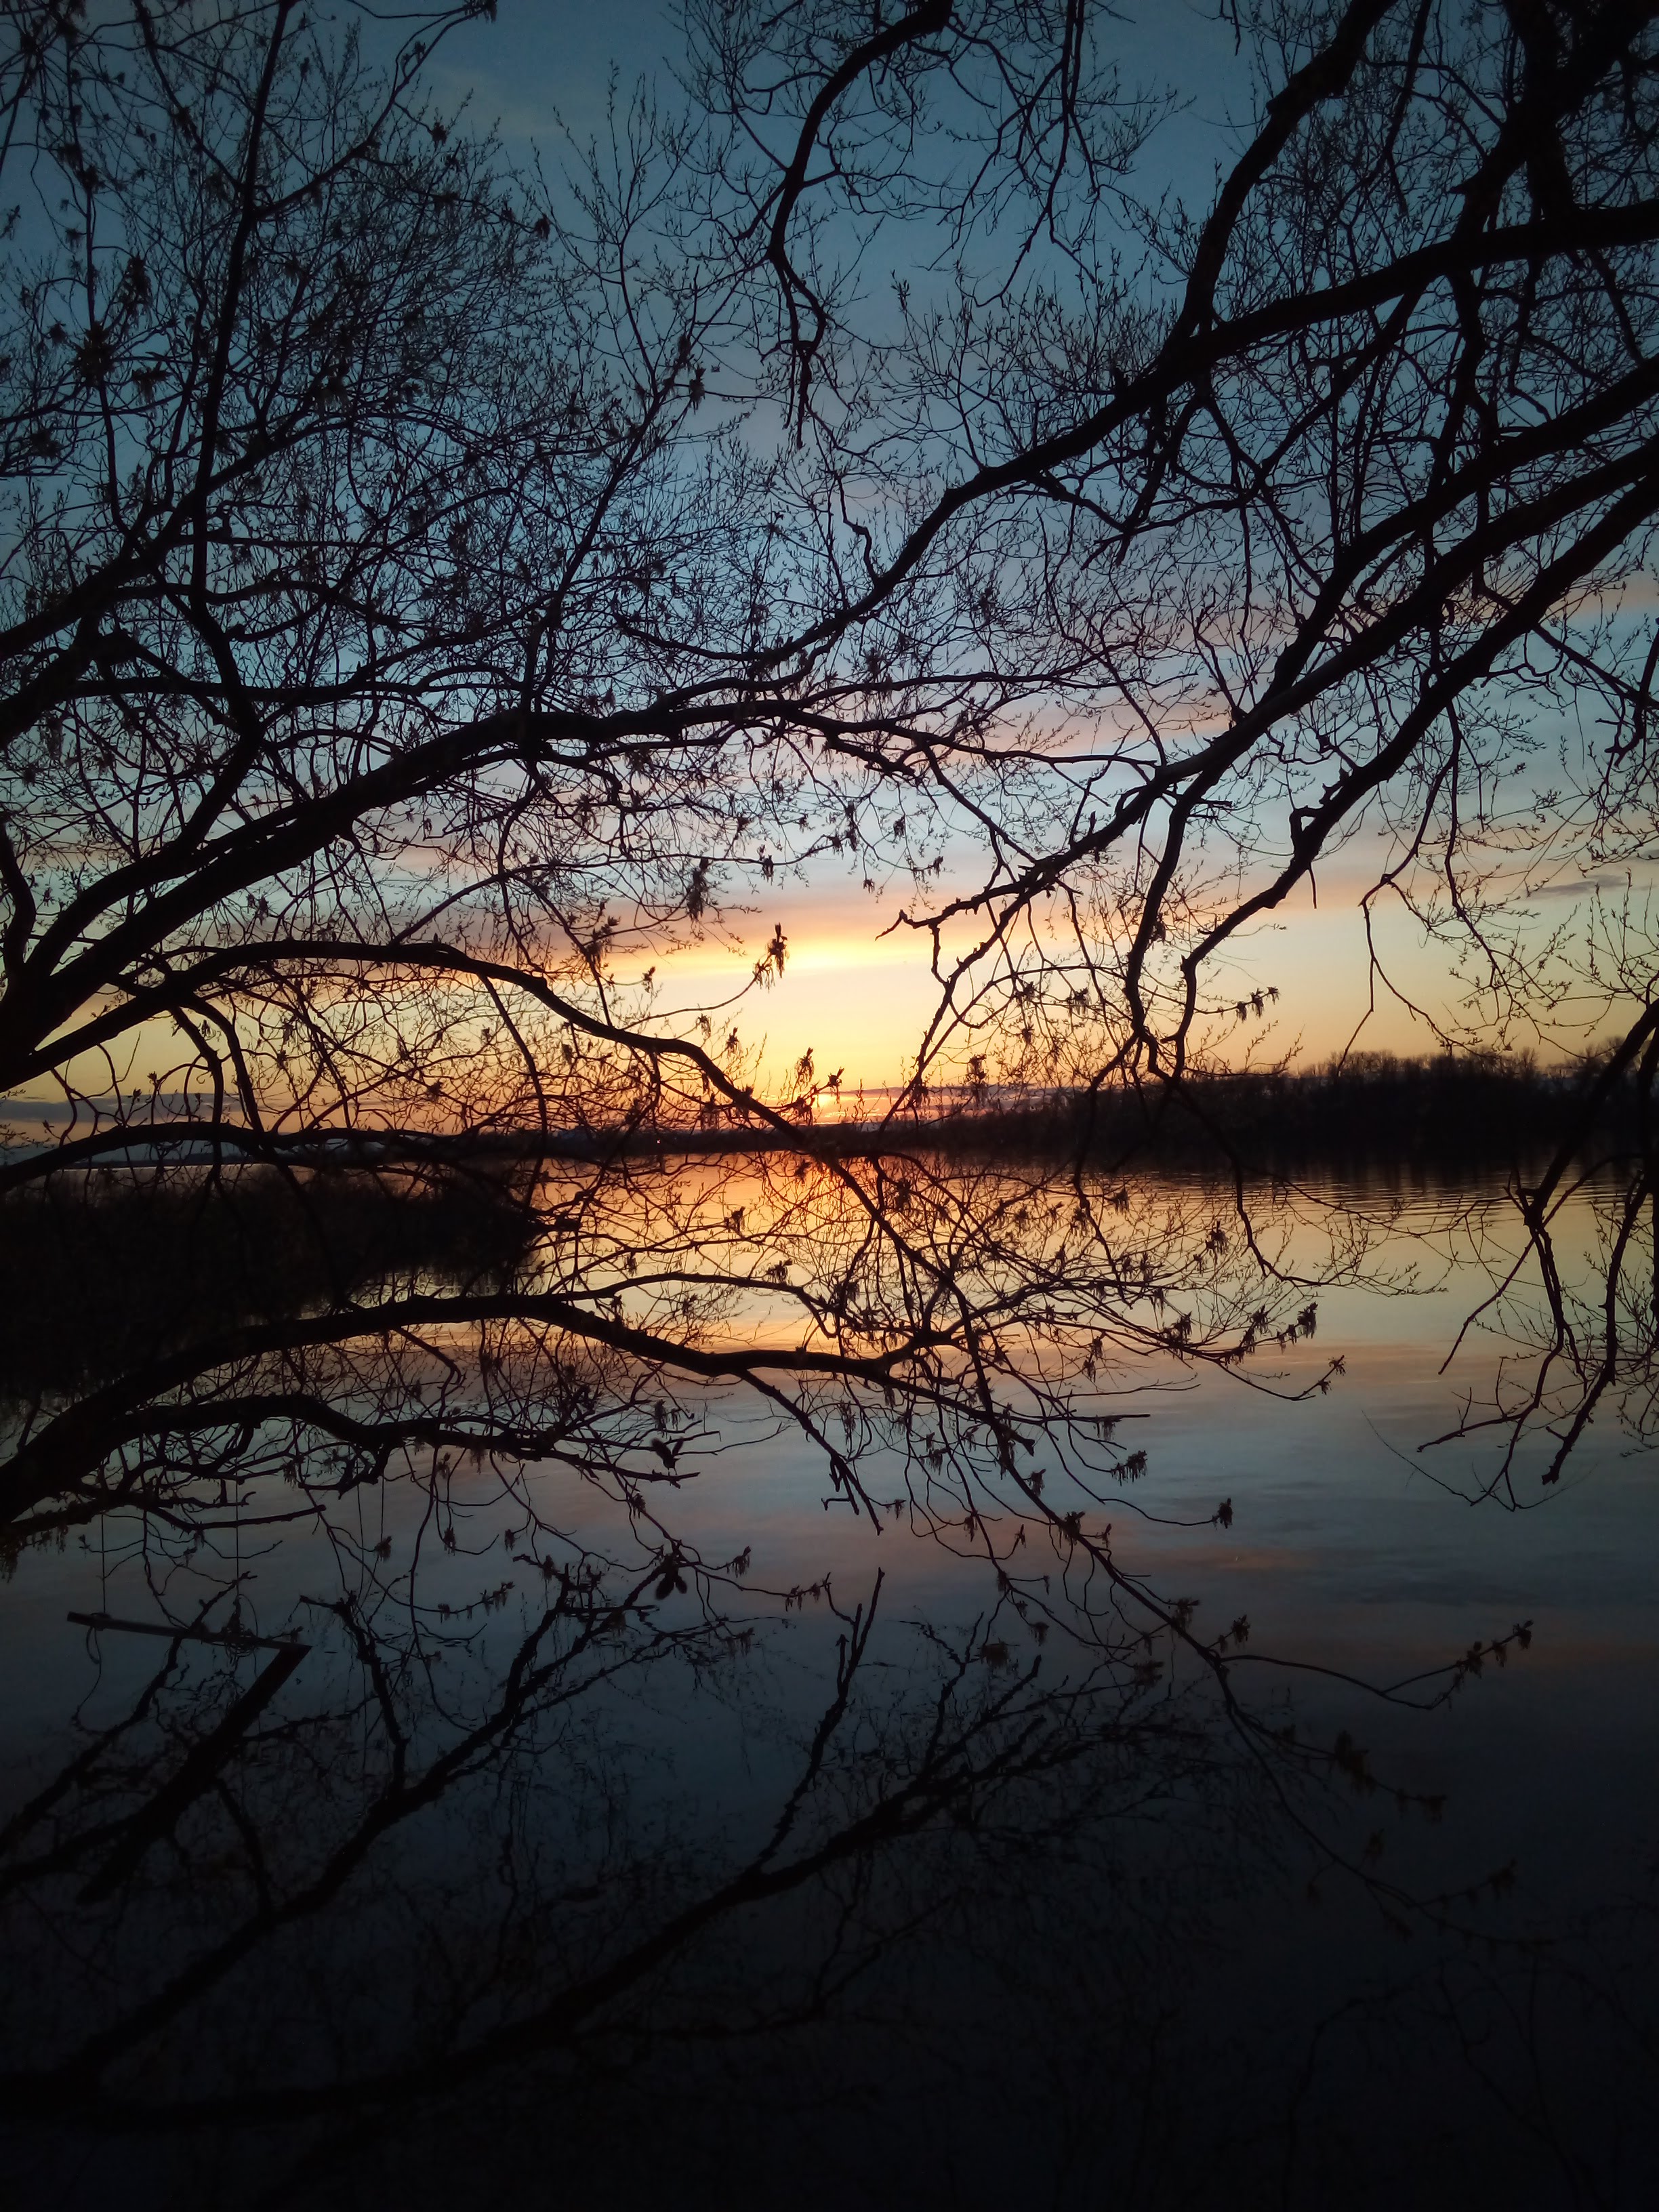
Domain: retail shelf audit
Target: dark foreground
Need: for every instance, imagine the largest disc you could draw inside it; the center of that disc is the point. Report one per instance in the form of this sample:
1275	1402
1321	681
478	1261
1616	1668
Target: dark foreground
473	1833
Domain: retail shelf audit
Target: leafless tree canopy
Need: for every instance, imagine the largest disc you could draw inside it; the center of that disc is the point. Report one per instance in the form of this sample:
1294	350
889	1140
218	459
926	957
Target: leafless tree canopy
421	574
433	589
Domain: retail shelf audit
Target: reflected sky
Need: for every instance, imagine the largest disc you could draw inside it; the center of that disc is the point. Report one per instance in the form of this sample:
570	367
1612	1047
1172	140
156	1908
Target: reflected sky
1153	1875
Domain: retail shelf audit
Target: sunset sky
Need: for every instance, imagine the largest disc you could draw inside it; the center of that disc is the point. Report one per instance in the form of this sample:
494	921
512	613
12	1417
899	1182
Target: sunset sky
858	998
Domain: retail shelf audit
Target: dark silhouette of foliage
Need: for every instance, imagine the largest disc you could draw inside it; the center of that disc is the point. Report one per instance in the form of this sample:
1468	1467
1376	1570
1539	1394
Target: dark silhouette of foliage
435	593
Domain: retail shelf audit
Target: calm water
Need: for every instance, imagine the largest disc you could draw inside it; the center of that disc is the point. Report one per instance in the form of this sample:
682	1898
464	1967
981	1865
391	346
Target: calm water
838	1878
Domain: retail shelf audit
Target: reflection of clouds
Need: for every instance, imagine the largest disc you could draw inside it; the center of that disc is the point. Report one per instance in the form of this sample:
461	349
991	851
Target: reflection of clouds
622	1828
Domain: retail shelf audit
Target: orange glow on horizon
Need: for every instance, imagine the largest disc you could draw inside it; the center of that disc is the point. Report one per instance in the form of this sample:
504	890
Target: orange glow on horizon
857	992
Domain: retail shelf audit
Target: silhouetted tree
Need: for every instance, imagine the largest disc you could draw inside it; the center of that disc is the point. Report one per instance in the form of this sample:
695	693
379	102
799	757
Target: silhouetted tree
426	584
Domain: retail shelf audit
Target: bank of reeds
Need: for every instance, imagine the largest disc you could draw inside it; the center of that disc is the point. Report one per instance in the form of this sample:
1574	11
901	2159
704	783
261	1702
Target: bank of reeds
102	1273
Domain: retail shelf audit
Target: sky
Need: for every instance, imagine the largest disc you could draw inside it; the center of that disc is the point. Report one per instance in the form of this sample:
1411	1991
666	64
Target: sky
857	998
857	992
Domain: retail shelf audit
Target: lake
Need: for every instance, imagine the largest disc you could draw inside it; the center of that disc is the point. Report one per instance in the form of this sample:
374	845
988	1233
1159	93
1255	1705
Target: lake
726	1832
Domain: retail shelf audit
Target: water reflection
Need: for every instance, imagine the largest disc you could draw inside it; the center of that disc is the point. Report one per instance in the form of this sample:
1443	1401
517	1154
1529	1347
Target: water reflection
679	1700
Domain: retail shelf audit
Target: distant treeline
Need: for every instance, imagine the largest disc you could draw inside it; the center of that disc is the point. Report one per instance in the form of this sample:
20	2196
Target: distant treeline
104	1269
98	1256
1371	1107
